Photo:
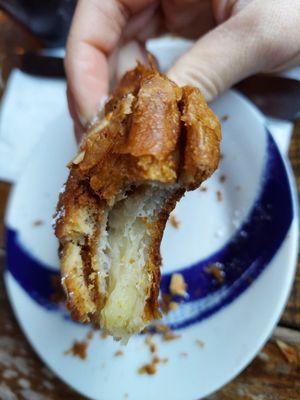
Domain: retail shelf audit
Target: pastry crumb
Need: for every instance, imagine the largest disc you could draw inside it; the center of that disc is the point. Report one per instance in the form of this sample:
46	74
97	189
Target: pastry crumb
90	335
237	188
165	303
216	270
155	360
149	369
158	360
222	178
225	118
166	333
104	335
219	195
200	343
38	222
173	306
161	328
289	352
174	221
118	353
203	188
78	349
169	336
149	342
177	285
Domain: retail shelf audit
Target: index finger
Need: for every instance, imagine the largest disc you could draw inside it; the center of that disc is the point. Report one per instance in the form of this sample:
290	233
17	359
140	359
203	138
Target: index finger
96	29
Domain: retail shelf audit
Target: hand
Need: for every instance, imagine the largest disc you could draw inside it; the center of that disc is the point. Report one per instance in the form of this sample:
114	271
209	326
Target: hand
251	36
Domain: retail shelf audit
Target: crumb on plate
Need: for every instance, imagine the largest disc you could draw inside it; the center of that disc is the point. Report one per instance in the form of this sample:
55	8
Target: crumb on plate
90	335
165	303
222	178
178	285
216	270
161	328
200	343
151	368
225	118
174	221
104	335
219	195
38	222
150	343
169	336
78	349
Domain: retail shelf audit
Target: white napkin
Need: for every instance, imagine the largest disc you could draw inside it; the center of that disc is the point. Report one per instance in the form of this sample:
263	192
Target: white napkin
28	107
30	104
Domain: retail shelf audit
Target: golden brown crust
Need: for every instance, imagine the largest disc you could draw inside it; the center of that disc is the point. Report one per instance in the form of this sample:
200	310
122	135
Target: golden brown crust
202	138
155	126
153	133
157	229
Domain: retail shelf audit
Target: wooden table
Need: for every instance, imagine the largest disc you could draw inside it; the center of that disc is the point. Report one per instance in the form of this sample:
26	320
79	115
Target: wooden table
273	375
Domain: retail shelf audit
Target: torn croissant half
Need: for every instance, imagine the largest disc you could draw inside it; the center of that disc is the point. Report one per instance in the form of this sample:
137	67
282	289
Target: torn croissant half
155	141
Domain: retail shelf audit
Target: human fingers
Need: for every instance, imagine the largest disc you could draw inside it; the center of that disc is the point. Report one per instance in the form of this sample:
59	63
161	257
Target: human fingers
261	36
95	32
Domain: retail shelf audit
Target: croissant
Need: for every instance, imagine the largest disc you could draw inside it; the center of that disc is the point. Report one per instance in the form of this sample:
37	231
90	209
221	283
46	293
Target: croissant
154	142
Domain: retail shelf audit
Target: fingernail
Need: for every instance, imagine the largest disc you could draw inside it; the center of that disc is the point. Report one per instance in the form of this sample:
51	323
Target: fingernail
82	119
79	131
94	117
128	56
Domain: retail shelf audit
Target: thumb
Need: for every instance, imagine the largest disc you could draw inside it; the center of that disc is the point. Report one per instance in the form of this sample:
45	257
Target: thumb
254	40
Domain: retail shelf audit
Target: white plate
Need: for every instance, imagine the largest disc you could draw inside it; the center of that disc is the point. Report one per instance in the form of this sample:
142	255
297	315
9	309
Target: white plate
253	231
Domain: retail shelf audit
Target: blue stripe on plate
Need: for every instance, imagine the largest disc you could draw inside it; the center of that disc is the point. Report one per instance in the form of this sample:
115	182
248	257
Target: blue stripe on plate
243	258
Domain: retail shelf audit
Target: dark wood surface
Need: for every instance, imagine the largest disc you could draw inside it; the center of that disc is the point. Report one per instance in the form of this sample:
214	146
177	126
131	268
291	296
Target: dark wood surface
291	316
